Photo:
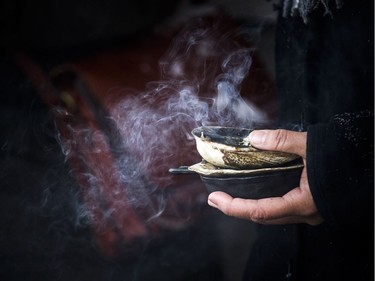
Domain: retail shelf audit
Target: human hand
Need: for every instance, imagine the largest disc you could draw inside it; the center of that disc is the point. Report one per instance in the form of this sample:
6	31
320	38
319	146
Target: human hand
296	206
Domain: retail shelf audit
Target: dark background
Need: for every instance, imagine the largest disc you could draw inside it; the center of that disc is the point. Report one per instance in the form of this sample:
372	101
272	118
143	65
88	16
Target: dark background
40	236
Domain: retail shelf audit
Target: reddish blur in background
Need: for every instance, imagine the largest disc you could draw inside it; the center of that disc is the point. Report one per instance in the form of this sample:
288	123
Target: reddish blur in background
88	137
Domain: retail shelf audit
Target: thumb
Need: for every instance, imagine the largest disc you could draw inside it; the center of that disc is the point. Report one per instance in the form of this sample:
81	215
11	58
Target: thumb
279	140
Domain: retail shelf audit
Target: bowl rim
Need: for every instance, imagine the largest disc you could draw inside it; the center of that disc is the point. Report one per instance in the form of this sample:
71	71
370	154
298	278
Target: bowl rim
222	143
208	169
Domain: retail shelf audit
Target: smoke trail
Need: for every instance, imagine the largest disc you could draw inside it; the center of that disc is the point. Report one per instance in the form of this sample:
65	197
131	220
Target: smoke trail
201	77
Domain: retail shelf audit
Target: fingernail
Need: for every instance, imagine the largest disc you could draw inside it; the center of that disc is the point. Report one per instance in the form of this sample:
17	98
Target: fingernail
212	202
257	137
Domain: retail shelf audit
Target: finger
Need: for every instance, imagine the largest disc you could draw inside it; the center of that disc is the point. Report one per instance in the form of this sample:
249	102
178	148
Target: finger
313	220
230	206
279	140
255	210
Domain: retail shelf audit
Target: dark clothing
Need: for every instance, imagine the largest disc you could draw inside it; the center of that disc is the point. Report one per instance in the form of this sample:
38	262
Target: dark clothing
331	82
325	84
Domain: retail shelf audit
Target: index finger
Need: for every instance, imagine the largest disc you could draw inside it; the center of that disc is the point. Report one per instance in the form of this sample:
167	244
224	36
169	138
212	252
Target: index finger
255	210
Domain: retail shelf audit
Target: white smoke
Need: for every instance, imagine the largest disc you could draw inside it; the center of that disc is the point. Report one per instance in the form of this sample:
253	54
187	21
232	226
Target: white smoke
201	76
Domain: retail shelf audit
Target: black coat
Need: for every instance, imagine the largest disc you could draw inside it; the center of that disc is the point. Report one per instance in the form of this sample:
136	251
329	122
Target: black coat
325	85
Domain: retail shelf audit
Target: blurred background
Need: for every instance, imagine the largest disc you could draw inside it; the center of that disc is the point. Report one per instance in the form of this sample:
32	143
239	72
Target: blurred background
98	99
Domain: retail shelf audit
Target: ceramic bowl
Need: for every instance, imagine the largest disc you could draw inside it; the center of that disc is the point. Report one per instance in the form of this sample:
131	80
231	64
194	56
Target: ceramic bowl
227	147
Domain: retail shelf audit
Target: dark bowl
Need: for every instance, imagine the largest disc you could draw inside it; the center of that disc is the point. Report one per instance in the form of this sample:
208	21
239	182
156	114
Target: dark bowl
255	184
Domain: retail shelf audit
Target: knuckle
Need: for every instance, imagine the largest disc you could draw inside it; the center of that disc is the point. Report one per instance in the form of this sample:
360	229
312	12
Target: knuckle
280	138
258	215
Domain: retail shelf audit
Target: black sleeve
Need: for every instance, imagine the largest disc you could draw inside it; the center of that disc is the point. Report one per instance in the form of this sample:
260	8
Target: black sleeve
340	167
